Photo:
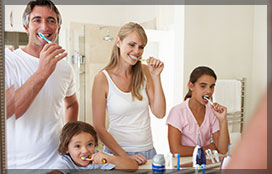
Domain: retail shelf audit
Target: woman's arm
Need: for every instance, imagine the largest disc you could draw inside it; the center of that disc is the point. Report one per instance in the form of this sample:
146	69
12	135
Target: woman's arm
221	137
99	99
154	87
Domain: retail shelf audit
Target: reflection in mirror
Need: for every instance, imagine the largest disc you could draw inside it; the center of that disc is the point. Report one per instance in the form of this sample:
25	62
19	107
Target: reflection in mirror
14	40
42	87
177	37
77	60
183	37
10	122
97	54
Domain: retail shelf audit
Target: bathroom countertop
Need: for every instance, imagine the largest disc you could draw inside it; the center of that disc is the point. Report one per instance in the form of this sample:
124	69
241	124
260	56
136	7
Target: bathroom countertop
185	163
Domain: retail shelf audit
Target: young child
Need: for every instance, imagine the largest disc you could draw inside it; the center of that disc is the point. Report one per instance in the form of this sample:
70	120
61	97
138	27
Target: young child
196	116
77	148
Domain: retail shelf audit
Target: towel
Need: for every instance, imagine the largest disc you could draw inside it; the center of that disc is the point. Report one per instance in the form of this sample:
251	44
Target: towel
228	93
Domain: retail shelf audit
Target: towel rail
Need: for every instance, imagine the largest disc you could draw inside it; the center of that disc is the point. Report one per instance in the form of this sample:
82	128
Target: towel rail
238	117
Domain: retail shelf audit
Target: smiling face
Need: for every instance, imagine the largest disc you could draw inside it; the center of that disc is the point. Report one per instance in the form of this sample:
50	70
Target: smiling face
81	145
131	48
204	86
44	20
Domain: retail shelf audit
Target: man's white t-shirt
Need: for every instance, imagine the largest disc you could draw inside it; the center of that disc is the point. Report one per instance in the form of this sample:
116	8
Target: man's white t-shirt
36	134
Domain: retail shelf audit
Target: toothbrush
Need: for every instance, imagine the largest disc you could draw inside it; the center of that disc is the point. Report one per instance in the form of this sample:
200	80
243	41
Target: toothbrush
170	156
229	149
196	151
89	159
178	160
142	60
207	98
86	158
211	156
42	36
215	153
207	153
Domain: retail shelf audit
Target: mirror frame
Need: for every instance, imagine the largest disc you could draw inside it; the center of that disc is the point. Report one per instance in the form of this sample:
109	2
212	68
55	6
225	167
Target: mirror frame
2	96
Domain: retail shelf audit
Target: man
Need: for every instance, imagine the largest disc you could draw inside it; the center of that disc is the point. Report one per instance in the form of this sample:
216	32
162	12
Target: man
43	83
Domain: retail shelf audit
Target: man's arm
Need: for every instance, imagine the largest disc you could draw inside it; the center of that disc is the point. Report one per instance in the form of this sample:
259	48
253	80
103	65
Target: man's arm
25	95
71	106
10	104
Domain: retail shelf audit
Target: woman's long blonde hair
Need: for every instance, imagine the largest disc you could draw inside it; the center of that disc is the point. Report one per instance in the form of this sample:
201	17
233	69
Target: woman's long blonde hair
137	72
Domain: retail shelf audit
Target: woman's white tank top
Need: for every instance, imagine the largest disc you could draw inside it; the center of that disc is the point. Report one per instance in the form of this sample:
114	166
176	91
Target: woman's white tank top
129	119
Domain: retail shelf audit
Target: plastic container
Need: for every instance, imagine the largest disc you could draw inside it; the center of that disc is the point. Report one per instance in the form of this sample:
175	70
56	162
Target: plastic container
158	164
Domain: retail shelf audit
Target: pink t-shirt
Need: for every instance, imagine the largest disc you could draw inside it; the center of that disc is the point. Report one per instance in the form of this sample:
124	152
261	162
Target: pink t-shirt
182	118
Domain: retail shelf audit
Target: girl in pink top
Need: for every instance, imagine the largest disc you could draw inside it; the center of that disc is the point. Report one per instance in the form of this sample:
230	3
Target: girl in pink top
195	116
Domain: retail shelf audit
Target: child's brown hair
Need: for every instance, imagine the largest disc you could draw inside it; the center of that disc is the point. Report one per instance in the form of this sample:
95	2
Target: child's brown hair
74	128
196	74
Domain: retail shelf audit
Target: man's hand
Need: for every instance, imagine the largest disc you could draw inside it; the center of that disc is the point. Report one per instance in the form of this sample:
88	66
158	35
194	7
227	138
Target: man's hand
49	56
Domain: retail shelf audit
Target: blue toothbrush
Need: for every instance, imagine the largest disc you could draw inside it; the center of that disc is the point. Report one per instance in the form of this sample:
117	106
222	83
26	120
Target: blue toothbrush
42	36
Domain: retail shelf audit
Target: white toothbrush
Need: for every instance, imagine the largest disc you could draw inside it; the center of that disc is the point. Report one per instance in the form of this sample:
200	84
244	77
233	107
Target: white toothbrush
216	155
170	156
207	98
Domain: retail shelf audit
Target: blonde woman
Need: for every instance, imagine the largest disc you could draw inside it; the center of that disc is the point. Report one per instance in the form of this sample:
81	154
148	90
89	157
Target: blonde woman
126	88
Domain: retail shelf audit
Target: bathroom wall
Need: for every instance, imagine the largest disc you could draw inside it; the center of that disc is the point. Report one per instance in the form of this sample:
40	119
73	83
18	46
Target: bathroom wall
231	40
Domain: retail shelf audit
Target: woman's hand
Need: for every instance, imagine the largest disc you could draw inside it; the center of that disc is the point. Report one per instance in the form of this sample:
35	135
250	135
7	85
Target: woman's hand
155	66
219	111
139	158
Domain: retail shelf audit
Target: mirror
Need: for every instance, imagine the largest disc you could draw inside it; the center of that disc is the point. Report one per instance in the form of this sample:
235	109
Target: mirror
223	37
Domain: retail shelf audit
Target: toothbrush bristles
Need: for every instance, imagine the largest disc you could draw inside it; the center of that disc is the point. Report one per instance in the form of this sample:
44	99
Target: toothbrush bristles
85	158
207	98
